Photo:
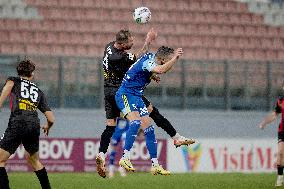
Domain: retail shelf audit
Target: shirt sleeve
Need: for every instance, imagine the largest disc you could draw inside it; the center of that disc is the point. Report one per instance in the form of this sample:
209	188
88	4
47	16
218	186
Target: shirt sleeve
278	108
11	79
43	105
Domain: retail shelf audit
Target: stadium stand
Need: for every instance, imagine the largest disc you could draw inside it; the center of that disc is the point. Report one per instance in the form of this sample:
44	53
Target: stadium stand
210	30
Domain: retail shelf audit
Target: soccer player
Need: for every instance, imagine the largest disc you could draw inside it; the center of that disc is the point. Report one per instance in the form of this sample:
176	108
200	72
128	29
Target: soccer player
117	137
129	101
279	109
115	64
24	124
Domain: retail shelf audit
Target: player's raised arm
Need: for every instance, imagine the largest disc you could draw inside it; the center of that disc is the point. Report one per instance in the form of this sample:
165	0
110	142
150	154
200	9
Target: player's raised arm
166	58
6	91
151	36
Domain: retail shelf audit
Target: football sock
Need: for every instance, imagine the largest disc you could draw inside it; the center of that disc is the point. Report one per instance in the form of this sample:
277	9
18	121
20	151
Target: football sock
131	134
105	138
280	169
126	154
154	161
162	122
151	142
177	136
102	155
4	181
112	157
43	178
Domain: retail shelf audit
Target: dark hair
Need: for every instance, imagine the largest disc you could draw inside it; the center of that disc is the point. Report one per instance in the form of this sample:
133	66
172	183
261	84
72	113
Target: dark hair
122	36
25	68
164	51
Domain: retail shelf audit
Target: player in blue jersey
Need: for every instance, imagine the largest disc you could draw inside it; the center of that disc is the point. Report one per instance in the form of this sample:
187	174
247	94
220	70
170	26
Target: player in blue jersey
129	101
117	137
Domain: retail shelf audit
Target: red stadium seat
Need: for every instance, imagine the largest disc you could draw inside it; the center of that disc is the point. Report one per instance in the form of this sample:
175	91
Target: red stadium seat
210	29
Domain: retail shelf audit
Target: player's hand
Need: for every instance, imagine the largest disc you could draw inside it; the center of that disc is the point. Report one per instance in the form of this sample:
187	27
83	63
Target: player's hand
151	35
178	52
156	78
261	126
45	129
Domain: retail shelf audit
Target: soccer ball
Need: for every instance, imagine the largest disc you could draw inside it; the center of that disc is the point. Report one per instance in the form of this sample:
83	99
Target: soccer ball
142	15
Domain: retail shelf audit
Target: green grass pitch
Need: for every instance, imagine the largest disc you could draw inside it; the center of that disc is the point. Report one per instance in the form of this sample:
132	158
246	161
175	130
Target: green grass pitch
146	181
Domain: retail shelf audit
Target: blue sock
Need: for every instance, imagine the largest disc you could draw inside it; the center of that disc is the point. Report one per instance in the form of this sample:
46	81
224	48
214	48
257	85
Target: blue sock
131	134
112	157
151	142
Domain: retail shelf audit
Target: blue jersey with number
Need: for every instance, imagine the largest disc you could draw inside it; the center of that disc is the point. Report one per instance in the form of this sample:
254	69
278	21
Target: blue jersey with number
139	75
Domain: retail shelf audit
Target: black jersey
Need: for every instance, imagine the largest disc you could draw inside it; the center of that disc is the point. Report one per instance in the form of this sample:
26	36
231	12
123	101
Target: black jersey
116	62
279	108
26	98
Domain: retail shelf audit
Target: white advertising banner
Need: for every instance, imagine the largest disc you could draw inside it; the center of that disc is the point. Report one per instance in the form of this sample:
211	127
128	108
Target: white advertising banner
223	155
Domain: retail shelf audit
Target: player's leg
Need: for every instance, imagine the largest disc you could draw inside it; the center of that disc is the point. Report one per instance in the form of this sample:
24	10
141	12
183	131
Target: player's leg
112	112
30	142
151	143
121	128
131	134
123	102
104	144
9	142
163	123
39	169
280	160
4	181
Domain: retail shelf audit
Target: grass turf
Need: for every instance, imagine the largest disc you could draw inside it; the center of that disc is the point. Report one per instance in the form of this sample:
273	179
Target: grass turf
146	181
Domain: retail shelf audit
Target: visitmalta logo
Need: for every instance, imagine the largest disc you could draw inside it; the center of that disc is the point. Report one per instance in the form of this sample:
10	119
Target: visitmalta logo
192	155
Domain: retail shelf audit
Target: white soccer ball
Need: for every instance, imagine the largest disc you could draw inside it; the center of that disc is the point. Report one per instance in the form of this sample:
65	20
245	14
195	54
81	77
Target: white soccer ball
142	15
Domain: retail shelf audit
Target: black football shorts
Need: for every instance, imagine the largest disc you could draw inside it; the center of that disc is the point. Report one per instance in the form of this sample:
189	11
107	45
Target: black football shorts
21	131
111	109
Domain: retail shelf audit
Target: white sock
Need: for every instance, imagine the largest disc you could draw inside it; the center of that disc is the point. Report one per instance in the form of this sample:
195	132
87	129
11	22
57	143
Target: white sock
176	137
111	167
102	155
154	161
126	154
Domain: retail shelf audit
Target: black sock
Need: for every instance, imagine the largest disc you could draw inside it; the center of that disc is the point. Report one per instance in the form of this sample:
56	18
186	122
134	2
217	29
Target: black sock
280	169
105	138
4	181
43	178
162	122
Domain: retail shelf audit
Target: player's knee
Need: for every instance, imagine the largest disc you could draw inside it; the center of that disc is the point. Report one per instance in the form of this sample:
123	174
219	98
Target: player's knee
154	113
111	122
281	154
4	156
150	108
145	122
2	161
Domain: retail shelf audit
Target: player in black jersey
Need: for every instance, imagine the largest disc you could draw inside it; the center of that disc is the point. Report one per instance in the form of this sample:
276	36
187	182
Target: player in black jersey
278	110
24	124
115	64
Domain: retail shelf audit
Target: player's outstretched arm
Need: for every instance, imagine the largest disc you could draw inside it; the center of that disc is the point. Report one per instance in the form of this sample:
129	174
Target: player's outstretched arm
50	121
151	36
169	64
268	119
6	91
